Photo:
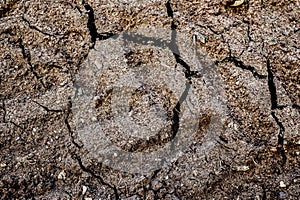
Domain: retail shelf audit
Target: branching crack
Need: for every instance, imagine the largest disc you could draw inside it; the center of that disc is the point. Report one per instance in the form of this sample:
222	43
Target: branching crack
47	109
77	157
27	57
92	26
35	28
174	47
91	172
9	121
274	105
241	65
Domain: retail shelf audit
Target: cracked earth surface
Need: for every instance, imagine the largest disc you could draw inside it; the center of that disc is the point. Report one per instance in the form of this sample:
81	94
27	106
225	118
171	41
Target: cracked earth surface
255	48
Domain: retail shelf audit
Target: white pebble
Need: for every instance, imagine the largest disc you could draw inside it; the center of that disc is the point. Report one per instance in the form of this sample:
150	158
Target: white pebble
199	37
84	189
238	3
281	184
242	168
3	165
62	175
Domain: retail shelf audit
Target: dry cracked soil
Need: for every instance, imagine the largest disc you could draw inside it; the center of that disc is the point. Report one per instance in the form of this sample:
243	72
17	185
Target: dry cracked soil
240	63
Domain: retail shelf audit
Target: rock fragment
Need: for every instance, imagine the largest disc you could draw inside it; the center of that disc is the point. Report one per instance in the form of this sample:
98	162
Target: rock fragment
62	175
237	3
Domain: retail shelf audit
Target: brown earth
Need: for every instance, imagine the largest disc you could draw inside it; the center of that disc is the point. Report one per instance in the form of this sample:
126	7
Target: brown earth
255	48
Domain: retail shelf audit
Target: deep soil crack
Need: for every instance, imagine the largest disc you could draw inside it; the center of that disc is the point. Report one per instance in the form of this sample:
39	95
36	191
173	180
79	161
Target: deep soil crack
85	169
241	65
272	88
274	106
92	26
91	23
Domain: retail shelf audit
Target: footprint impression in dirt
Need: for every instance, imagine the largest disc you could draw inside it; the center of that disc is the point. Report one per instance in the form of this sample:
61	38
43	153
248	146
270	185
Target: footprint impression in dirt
139	97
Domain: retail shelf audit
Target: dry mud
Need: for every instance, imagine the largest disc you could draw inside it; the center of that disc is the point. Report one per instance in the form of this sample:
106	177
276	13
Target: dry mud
250	151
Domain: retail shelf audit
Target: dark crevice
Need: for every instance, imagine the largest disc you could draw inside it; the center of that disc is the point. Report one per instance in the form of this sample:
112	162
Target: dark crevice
27	57
211	28
91	23
4	111
241	65
77	157
35	28
280	138
9	121
248	30
68	125
296	106
91	172
17	125
274	105
169	9
105	35
174	48
272	88
47	109
187	72
92	26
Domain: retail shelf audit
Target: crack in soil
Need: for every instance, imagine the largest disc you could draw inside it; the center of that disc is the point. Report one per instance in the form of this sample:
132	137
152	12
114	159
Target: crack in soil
241	65
78	158
91	23
91	172
272	88
36	28
46	108
27	57
9	121
68	111
92	26
274	106
4	111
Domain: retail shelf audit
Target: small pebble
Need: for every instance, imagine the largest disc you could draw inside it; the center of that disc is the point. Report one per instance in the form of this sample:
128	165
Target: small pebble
62	175
3	165
238	3
281	184
200	37
242	168
281	195
84	189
